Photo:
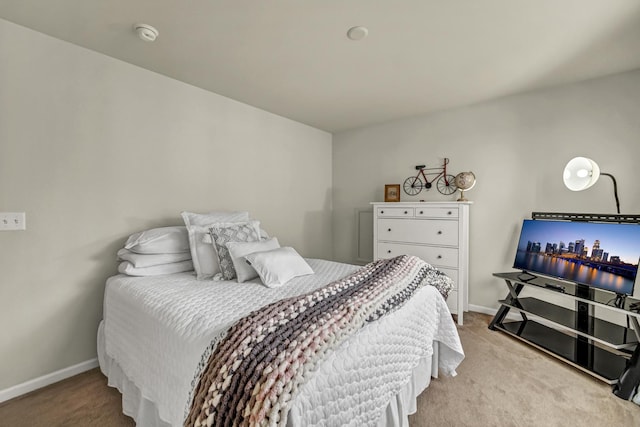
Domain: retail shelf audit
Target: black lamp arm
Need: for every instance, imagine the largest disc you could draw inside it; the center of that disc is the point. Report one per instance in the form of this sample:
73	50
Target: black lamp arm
615	189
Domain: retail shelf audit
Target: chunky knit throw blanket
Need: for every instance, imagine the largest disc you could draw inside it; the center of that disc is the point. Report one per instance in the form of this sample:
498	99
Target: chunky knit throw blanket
256	369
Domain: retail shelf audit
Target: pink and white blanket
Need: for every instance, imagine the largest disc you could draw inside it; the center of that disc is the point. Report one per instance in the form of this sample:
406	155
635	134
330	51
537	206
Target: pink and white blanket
255	371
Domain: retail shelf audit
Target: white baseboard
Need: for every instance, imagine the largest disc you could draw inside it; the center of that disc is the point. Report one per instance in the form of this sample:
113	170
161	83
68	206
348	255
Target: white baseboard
492	311
45	380
482	309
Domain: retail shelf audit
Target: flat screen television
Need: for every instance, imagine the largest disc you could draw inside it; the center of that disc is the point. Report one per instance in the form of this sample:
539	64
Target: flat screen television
601	255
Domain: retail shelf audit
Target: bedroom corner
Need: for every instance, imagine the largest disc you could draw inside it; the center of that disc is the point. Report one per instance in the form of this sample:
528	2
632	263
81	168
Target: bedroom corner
95	149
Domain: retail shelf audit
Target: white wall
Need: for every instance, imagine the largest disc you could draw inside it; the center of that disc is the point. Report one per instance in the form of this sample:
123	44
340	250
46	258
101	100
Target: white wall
517	147
94	149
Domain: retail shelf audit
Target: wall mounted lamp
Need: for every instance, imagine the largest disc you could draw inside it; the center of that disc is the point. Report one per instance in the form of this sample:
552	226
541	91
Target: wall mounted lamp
581	173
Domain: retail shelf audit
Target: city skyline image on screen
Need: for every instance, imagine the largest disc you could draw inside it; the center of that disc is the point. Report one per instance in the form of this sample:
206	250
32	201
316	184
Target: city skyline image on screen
600	255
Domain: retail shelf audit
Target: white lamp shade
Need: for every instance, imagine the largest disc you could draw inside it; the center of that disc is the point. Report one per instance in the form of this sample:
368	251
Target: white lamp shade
580	173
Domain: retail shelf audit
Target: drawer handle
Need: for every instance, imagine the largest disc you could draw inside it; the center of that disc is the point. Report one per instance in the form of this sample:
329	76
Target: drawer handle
389	230
439	256
449	213
381	212
406	212
439	231
421	212
389	251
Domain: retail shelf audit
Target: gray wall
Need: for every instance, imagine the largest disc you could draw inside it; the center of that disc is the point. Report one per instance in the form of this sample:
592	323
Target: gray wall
517	147
94	149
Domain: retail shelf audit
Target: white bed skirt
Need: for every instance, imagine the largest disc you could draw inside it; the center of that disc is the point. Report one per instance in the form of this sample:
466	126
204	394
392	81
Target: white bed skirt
145	412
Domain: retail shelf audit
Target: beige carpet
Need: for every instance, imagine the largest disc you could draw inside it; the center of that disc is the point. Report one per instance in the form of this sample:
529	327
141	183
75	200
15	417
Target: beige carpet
504	382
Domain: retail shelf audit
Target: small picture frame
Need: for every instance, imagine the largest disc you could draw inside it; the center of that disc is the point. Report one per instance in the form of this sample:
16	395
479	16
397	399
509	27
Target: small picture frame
392	193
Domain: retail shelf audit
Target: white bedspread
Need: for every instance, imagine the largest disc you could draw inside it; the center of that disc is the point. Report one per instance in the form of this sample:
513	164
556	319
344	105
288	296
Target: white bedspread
156	329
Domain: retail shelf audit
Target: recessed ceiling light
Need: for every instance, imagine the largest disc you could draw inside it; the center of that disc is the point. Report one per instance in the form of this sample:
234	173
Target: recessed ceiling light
357	33
146	32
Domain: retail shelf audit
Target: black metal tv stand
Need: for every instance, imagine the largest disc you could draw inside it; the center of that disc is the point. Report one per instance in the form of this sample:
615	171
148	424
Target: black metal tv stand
594	345
606	350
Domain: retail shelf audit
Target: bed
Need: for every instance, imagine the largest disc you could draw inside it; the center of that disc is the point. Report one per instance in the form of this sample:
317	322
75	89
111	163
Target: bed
157	333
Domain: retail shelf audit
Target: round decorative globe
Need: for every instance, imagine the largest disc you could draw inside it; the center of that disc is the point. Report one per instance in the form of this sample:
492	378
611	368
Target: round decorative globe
464	181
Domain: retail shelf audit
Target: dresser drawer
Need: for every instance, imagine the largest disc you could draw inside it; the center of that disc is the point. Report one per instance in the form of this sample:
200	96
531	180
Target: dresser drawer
395	212
438	257
452	302
434	232
433	212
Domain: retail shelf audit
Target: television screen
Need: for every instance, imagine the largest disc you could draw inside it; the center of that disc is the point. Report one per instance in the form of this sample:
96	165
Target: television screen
600	255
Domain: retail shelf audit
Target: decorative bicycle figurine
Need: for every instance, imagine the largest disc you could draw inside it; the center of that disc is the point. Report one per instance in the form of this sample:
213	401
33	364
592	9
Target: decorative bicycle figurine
445	183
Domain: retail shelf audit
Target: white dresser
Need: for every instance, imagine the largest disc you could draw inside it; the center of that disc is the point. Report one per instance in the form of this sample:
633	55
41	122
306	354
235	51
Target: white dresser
437	232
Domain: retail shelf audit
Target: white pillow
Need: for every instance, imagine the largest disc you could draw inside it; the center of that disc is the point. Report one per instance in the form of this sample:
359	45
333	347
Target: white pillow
126	267
223	233
238	250
191	218
148	260
162	240
205	260
277	266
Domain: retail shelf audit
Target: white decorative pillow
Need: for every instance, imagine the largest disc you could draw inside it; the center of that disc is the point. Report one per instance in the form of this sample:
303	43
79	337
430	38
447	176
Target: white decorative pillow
162	240
125	267
221	234
238	250
148	260
205	260
277	266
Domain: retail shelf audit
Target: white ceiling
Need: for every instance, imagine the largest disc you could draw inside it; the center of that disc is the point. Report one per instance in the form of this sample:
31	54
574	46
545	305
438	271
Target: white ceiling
292	57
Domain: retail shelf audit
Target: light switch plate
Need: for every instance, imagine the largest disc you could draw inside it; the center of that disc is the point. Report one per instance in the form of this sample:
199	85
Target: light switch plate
12	221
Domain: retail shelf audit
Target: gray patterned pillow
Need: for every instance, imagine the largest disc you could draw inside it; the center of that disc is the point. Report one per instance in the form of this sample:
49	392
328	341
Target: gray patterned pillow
232	232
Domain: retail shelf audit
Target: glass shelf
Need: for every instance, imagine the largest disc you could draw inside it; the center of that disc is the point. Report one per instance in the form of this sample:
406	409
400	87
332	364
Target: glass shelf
593	296
598	362
610	334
